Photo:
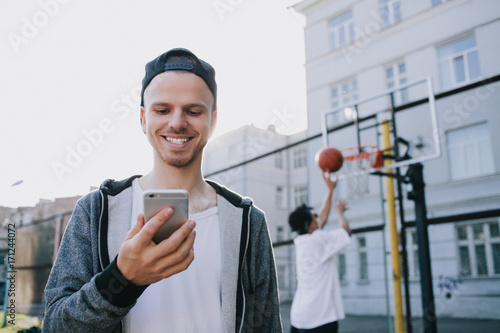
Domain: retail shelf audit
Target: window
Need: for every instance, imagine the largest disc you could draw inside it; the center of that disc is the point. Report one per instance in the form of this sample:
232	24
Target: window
281	270
280	234
342	189
470	151
458	62
345	93
300	195
299	158
390	12
341	31
363	259
438	2
280	203
395	76
479	249
342	268
412	252
278	160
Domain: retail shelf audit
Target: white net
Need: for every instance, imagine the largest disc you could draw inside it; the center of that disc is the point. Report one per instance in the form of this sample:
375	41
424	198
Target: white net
358	162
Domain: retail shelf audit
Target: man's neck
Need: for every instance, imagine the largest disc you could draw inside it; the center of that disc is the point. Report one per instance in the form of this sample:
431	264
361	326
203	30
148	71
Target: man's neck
201	195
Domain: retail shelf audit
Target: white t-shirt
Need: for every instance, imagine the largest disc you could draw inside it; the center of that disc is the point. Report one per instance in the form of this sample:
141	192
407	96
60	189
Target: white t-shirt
317	300
189	301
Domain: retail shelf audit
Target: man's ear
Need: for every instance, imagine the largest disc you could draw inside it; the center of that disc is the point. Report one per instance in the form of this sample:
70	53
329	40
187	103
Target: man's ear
143	119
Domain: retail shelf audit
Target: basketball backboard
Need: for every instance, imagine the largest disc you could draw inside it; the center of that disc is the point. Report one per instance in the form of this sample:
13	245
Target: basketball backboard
409	113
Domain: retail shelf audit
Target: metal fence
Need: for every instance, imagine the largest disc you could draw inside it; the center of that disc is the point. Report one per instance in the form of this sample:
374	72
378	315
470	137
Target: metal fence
465	261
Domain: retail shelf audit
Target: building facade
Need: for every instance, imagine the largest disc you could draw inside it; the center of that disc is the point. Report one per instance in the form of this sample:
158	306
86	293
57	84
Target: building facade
29	242
358	49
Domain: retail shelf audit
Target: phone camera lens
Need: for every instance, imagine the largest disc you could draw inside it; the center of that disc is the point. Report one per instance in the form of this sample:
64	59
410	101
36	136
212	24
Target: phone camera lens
151	195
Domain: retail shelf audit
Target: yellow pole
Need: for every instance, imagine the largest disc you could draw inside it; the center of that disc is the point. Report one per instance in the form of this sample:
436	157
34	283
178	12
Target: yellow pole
391	212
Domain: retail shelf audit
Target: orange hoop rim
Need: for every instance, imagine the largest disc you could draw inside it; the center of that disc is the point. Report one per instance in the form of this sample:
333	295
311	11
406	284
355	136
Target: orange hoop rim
374	155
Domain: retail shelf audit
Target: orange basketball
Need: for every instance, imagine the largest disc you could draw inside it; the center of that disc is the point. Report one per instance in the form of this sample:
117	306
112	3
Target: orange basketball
329	159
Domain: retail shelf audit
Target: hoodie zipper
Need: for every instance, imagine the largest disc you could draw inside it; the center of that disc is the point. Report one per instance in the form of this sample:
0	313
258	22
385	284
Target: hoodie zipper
241	271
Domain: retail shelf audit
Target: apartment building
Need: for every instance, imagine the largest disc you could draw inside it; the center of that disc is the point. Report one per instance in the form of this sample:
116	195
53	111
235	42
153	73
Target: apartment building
359	49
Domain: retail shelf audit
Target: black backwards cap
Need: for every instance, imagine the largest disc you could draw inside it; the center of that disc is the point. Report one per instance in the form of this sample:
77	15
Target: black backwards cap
195	66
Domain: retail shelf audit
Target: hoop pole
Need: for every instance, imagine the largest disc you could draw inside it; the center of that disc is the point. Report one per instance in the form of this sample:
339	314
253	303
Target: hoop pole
391	213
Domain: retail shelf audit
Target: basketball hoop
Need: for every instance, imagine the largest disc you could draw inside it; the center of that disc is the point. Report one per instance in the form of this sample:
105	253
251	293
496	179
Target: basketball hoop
358	161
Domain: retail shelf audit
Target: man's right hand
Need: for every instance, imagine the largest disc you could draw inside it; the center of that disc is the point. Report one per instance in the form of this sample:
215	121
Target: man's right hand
143	262
331	184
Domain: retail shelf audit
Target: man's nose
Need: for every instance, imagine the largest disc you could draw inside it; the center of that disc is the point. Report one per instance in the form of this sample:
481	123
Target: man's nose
177	120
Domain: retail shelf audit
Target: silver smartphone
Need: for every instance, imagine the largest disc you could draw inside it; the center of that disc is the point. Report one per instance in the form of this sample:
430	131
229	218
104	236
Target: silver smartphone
156	200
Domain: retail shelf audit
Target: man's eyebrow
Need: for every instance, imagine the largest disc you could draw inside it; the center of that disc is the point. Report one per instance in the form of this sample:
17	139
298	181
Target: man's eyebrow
187	106
160	104
195	105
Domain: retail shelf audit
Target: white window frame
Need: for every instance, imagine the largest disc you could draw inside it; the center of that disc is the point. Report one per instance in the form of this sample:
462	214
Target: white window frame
471	242
280	233
390	12
278	160
362	259
341	31
447	63
341	189
342	268
281	272
397	79
300	195
299	157
343	94
280	196
438	2
412	253
482	166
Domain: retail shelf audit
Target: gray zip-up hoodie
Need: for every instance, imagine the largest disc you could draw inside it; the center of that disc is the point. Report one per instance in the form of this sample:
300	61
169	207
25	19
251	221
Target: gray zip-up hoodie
87	293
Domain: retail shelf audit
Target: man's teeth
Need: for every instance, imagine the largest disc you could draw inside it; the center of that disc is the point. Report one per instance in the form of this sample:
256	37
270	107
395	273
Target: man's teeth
177	141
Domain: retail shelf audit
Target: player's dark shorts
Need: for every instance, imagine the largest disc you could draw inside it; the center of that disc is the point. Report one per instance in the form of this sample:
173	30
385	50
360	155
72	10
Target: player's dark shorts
332	327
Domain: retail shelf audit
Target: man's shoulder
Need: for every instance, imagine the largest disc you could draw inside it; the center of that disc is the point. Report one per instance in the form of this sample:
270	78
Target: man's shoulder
113	187
231	196
90	199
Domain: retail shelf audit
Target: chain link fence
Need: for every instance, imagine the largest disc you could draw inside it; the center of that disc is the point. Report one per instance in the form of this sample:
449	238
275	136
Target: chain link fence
465	264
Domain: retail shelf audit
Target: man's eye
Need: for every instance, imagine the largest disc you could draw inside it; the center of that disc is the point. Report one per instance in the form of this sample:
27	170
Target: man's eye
162	111
194	113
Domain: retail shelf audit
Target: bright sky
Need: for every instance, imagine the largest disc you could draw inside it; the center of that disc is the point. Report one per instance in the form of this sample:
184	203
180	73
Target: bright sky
71	70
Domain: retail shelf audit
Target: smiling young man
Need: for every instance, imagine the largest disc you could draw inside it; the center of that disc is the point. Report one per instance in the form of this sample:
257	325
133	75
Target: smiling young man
110	276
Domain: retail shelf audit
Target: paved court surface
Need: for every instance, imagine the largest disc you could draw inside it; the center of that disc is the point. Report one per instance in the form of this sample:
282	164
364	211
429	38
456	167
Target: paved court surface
378	324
